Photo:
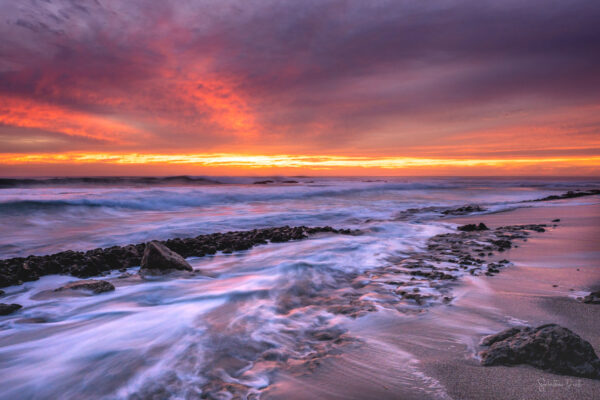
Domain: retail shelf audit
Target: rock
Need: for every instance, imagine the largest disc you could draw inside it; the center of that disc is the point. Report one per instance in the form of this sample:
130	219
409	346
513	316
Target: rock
1	292
550	347
556	220
502	244
592	298
158	259
265	182
569	195
15	271
6	309
464	210
95	286
473	227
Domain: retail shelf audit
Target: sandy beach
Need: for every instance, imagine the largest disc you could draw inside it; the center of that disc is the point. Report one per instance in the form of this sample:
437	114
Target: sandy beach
434	355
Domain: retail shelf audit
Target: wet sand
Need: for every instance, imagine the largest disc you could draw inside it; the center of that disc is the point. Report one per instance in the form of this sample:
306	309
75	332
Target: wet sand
433	355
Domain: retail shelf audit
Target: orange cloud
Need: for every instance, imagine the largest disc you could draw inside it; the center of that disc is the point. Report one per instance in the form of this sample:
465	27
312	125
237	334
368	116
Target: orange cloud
225	107
30	114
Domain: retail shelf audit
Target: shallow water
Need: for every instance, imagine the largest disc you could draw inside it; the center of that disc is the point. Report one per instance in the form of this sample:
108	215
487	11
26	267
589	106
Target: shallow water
261	311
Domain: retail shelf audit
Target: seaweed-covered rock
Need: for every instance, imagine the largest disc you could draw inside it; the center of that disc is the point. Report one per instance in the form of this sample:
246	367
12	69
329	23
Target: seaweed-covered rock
6	309
158	259
550	347
95	286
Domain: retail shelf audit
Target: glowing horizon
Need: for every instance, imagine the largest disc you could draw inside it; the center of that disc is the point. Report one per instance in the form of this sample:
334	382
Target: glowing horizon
313	163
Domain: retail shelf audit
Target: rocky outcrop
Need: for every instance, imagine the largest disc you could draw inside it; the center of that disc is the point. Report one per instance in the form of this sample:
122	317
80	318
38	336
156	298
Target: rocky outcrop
550	347
592	298
6	309
92	285
473	227
159	259
15	271
569	195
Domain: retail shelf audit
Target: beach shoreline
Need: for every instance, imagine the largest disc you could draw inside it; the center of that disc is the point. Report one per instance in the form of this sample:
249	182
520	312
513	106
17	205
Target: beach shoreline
434	355
401	318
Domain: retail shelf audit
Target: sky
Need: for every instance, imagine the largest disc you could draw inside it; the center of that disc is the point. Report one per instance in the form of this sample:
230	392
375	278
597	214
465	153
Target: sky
473	87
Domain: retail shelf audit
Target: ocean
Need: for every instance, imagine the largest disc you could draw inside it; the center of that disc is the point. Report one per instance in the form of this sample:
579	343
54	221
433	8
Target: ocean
254	313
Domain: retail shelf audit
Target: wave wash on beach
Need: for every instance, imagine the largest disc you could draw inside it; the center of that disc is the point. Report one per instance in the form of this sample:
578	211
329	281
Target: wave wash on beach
282	310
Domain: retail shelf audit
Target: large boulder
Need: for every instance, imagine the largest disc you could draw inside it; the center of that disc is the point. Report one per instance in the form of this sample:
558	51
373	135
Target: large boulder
550	347
95	286
158	259
6	309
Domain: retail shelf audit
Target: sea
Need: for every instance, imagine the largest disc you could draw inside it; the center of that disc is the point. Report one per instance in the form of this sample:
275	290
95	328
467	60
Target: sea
221	334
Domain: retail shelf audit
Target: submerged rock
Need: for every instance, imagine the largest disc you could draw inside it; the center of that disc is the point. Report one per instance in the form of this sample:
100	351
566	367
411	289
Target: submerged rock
592	298
158	259
550	347
95	286
6	309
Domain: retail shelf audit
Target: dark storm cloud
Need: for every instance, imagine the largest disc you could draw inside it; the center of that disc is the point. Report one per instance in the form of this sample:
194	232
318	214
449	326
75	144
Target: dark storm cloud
329	73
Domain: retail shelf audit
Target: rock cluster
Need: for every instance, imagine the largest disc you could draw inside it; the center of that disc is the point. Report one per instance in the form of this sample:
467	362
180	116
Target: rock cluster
448	256
550	347
15	271
473	227
570	195
92	285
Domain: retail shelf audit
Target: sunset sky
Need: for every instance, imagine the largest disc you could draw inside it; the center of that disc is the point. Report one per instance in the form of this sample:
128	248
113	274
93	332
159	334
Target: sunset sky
251	87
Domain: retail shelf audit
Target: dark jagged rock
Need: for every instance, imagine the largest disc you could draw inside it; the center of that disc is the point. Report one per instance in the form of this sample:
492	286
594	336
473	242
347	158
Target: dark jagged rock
569	195
464	210
473	227
158	259
6	309
95	262
556	220
265	182
502	244
550	347
592	298
95	286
